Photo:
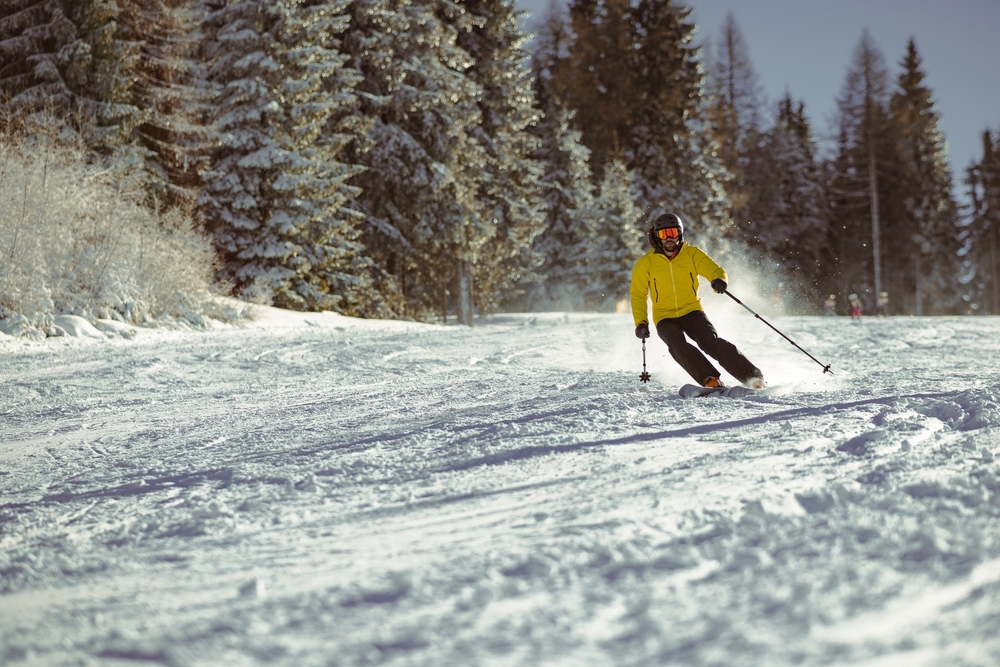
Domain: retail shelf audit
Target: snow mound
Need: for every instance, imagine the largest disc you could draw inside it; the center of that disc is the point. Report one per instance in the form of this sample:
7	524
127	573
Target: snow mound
115	328
74	325
861	444
966	411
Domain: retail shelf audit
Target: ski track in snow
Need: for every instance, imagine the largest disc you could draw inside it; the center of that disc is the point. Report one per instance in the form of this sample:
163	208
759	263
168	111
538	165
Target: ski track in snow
344	492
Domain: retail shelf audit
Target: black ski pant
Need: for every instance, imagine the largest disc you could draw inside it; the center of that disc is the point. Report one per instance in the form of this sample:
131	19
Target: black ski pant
700	330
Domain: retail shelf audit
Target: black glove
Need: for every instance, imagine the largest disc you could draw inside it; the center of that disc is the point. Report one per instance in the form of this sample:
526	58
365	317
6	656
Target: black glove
719	285
642	331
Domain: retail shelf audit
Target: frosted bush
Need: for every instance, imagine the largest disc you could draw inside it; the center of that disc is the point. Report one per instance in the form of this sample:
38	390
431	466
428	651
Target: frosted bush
75	238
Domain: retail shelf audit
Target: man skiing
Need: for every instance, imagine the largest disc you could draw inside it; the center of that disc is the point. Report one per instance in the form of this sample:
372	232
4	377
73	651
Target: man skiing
668	273
855	303
881	304
830	306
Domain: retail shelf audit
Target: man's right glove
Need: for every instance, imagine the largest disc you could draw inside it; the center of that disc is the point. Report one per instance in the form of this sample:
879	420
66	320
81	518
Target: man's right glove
642	331
719	285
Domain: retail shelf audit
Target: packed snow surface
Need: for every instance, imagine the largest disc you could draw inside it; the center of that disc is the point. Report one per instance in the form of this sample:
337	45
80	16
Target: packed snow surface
312	489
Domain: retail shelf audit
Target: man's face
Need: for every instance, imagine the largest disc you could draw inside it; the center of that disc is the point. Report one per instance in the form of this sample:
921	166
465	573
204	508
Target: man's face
670	238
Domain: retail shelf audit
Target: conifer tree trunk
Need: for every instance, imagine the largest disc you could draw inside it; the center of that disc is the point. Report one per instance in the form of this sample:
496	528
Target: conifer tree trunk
876	245
464	293
994	275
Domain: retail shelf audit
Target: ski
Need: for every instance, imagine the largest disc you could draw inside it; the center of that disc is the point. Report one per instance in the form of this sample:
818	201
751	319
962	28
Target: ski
695	391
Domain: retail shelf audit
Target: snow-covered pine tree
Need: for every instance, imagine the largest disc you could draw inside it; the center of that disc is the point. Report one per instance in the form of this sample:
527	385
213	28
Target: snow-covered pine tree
981	238
594	80
275	200
735	108
170	89
669	145
567	189
615	239
923	269
785	216
423	218
568	194
637	83
65	56
865	151
510	191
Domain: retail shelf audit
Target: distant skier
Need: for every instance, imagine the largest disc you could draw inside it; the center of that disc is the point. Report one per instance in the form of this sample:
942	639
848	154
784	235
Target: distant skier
830	306
668	273
881	304
855	306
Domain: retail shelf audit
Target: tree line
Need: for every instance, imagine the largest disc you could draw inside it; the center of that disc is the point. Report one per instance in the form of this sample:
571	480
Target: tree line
415	158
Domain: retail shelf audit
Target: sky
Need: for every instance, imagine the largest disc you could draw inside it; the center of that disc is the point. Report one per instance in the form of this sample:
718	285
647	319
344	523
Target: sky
315	489
806	47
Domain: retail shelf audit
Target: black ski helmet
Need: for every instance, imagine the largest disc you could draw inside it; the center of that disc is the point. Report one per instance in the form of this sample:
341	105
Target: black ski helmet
661	220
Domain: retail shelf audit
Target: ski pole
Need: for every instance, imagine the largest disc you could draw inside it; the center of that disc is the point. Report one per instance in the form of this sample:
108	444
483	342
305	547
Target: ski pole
826	368
644	376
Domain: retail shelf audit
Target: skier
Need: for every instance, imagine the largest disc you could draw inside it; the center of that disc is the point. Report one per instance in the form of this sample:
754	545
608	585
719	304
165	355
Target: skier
881	304
668	273
855	306
830	306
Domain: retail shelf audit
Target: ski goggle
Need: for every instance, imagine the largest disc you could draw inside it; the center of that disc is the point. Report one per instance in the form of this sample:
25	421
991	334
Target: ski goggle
668	233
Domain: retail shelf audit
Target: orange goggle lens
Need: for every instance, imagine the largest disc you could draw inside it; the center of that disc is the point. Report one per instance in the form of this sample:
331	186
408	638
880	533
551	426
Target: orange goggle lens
668	233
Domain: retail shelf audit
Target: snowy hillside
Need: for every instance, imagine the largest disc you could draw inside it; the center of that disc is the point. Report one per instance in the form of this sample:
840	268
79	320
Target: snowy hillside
318	490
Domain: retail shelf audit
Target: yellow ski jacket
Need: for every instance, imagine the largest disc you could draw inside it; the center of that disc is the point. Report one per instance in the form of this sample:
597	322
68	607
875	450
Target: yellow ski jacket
672	284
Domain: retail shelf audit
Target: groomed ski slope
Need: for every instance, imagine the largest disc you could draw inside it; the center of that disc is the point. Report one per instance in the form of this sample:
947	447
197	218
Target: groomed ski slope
319	490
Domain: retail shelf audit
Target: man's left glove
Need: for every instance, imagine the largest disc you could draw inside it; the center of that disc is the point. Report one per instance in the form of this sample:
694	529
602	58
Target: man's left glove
719	285
642	331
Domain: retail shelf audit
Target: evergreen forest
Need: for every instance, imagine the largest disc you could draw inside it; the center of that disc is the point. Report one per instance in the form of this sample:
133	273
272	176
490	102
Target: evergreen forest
431	159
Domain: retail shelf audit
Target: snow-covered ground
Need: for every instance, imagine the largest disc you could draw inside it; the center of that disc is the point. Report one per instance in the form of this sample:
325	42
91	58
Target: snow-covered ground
317	490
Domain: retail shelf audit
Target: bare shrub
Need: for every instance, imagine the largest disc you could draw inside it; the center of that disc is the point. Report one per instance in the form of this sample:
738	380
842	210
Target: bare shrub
76	238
